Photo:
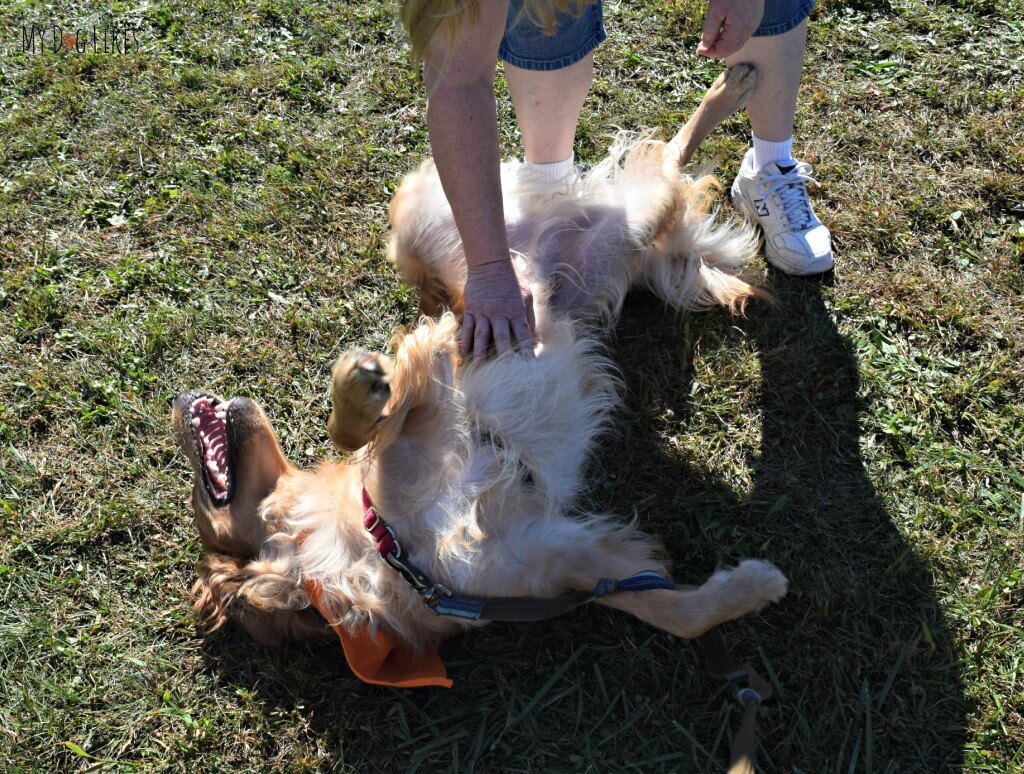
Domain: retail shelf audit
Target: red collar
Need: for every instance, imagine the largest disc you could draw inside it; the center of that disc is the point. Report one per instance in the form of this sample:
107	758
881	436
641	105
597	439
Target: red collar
376	526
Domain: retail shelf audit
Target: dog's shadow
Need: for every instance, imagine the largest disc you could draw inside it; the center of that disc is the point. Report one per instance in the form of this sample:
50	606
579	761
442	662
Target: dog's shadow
859	653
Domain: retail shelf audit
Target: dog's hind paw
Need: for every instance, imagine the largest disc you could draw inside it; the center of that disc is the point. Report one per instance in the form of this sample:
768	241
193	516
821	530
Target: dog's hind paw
751	585
773	584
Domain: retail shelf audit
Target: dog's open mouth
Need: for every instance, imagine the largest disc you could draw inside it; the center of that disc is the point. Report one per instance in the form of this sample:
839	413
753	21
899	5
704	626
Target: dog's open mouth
211	433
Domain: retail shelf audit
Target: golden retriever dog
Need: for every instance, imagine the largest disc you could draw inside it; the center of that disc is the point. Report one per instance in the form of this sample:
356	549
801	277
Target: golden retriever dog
477	465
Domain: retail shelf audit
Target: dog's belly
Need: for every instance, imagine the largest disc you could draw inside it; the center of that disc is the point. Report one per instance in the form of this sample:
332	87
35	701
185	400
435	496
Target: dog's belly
578	259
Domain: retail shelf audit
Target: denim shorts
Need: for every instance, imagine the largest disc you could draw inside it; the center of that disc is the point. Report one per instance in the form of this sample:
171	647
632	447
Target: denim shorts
527	47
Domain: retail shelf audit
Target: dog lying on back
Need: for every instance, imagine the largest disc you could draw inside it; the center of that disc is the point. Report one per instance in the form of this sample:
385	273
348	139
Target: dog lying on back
477	466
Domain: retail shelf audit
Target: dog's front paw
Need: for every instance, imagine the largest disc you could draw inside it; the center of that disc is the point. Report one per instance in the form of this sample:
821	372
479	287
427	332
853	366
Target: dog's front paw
365	377
360	389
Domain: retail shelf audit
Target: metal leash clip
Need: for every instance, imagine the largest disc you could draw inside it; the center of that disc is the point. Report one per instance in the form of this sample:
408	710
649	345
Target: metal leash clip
745	694
433	594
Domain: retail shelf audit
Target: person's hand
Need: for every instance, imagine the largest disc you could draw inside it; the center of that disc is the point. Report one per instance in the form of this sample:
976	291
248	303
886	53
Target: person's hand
496	307
727	26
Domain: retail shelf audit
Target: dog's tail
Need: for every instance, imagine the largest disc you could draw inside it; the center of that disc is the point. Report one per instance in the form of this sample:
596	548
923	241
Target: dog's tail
690	257
696	260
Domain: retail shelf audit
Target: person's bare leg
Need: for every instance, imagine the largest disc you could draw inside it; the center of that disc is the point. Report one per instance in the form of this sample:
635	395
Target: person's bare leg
548	105
771	186
779	61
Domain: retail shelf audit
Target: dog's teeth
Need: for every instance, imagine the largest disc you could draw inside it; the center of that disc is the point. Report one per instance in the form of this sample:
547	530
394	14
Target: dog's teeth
221	415
195	422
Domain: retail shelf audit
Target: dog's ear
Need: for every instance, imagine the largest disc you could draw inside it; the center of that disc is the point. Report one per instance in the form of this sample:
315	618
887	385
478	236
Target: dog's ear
220	578
231	586
270	586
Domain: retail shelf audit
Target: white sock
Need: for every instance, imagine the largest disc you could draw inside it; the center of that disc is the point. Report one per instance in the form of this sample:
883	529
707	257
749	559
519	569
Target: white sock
554	170
766	153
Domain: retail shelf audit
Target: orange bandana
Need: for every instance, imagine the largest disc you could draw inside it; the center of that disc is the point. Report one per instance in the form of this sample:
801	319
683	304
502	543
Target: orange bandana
382	659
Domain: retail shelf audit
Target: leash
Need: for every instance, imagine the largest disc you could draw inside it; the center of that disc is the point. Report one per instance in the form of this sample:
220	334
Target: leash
751	689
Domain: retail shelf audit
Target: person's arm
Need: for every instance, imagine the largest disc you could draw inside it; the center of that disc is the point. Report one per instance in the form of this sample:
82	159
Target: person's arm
463	125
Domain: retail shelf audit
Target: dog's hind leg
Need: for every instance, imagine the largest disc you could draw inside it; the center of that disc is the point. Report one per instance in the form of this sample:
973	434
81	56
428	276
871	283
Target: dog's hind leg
690	612
725	96
570	554
424	242
697	263
693	262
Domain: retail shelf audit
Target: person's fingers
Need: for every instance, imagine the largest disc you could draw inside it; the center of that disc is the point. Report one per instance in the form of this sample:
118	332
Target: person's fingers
481	338
524	336
502	335
729	43
712	29
467	333
728	25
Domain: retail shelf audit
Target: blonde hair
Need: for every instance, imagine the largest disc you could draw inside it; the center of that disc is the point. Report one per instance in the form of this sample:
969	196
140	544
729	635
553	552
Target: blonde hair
425	19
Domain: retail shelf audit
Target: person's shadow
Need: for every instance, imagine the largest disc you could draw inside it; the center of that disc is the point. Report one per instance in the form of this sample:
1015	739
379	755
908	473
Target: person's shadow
859	654
863	663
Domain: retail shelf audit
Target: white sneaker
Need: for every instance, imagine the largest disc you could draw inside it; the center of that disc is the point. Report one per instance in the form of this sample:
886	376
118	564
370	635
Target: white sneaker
775	199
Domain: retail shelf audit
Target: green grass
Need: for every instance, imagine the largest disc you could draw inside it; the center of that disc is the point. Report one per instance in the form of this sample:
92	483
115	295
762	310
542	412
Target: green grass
211	211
